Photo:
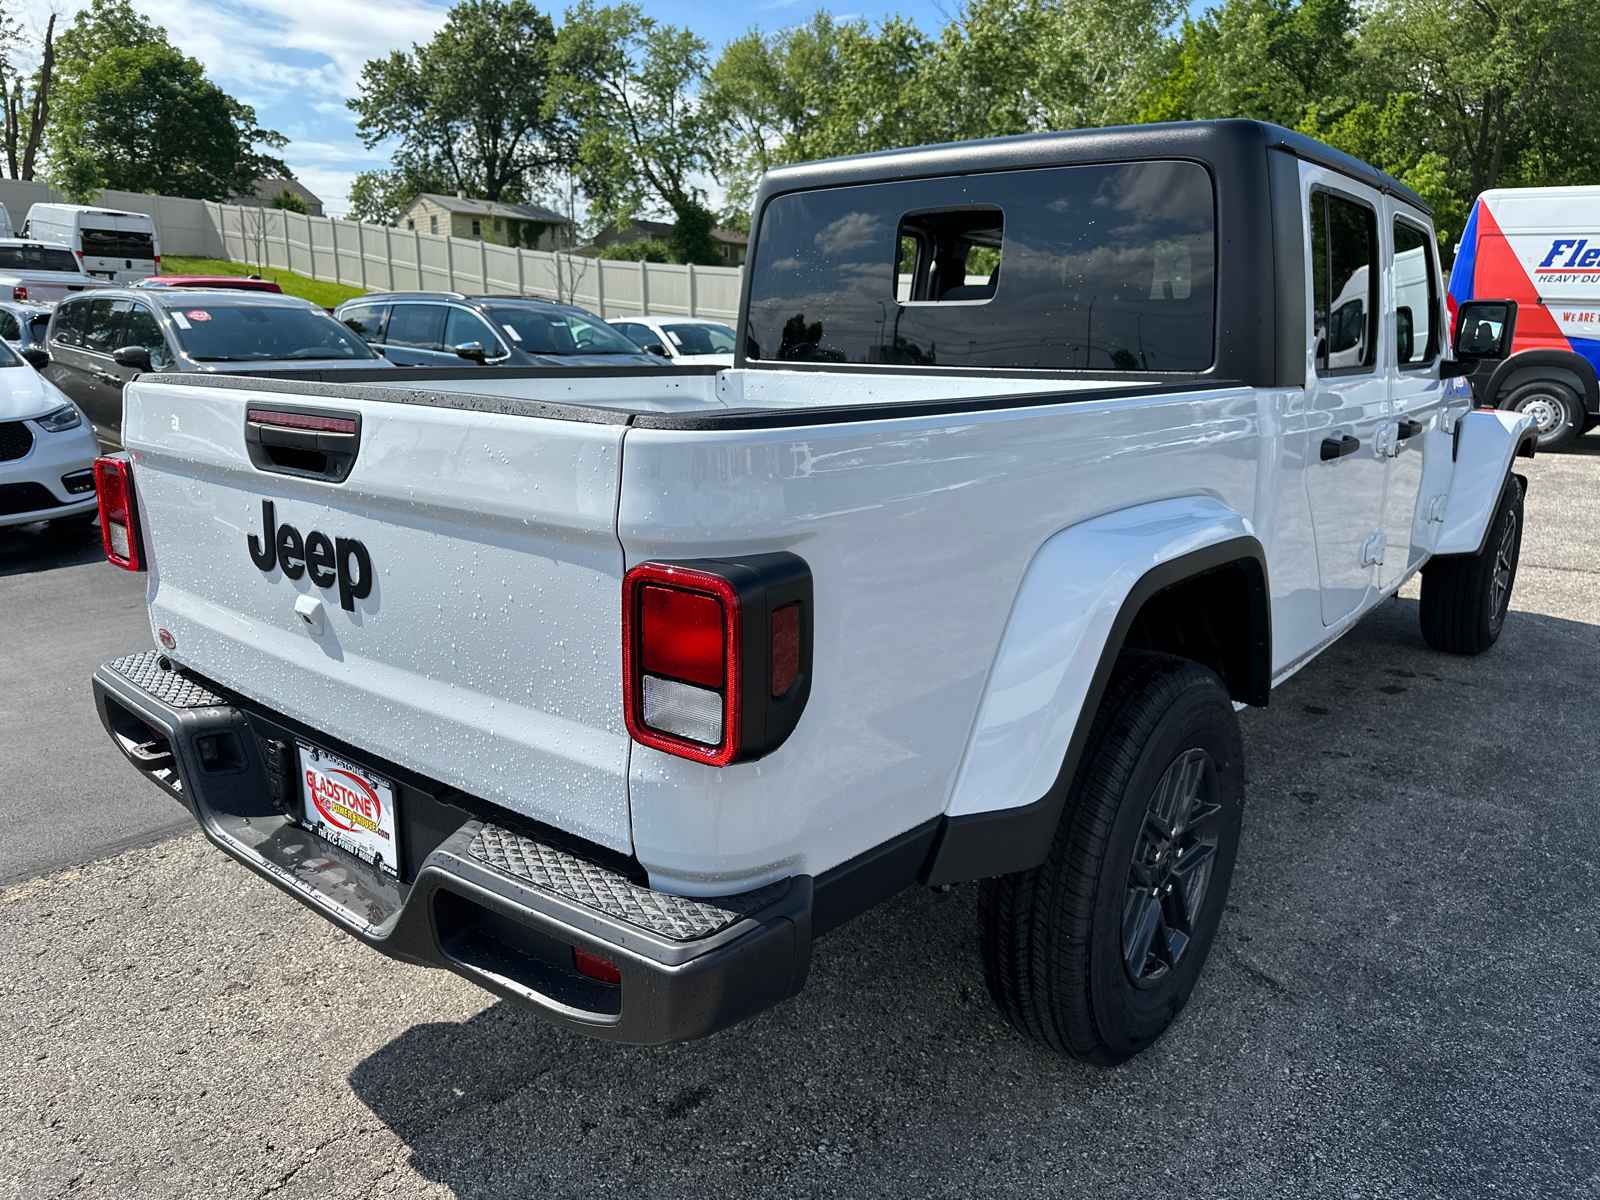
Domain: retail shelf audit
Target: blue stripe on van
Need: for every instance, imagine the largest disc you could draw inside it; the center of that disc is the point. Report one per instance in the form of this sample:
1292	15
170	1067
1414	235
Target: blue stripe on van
1467	260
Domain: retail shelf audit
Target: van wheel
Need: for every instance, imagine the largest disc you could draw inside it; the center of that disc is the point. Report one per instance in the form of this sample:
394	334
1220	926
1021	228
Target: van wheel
1555	408
1095	952
1465	597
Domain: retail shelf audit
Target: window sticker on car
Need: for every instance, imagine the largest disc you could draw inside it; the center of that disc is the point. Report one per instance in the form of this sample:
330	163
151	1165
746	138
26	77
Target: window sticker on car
183	321
515	336
676	340
198	314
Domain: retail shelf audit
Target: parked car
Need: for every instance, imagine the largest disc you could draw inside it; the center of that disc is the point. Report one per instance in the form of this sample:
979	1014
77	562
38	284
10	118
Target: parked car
23	325
613	690
47	450
432	329
108	243
97	344
35	271
1538	249
237	283
688	341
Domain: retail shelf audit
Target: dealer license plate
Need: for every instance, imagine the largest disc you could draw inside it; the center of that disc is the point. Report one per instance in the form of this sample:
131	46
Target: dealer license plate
349	806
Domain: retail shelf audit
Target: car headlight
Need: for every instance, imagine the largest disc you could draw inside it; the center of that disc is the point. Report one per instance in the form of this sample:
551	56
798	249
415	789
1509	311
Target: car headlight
60	420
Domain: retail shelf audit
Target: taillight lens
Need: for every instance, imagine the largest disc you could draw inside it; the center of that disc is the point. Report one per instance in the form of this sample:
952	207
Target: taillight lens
19	293
681	652
716	655
595	967
119	515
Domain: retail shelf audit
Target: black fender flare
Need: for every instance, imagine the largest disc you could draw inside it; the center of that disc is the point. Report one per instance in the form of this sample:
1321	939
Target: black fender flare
1564	366
980	845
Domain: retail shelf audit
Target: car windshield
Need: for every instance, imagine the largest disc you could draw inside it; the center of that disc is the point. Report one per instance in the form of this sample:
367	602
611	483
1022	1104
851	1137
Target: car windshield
37	258
559	331
700	339
212	332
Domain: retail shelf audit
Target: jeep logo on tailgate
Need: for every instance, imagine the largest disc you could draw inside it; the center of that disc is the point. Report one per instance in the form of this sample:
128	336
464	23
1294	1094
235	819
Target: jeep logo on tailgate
326	560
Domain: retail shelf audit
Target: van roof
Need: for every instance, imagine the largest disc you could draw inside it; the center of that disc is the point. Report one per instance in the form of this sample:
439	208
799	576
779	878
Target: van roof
87	208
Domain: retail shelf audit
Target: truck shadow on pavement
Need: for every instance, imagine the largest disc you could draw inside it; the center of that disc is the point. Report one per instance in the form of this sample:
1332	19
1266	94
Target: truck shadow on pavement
1396	1004
44	547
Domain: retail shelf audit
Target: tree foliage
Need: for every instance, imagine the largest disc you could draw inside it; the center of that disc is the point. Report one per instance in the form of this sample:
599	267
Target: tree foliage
631	85
133	112
468	110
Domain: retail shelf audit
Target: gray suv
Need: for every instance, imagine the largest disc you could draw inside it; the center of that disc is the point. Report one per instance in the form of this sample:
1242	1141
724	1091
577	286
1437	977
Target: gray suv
440	329
98	342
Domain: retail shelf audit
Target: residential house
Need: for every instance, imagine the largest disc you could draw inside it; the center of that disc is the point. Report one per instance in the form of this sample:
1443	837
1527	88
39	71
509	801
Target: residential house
730	245
526	225
265	190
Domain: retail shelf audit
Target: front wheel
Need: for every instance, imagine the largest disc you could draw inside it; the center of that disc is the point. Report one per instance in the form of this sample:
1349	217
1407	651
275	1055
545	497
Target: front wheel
1465	597
1556	409
1095	952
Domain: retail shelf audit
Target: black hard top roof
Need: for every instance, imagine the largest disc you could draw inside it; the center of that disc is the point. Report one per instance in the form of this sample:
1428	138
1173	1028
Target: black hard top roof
1200	140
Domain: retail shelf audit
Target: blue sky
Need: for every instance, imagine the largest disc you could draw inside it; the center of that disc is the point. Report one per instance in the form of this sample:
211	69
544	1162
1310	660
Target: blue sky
297	61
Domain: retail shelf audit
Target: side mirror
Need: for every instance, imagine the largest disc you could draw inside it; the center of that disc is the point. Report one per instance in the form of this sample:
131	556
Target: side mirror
473	352
1456	368
657	349
1485	329
35	357
135	358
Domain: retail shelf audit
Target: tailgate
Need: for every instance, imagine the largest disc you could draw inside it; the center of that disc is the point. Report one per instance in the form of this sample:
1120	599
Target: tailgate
487	653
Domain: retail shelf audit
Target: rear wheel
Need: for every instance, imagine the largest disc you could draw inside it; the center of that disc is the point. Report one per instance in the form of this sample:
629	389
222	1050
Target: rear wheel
1465	597
1096	951
1555	408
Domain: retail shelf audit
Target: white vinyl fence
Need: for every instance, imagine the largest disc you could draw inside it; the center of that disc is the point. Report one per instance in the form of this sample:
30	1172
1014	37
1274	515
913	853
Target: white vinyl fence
380	258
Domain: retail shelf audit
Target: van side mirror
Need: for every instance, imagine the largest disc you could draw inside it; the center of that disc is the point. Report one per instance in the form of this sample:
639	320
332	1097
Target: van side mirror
135	358
1484	329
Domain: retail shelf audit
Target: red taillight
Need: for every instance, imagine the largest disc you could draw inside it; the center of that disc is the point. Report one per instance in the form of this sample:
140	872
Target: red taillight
596	967
158	264
119	515
716	655
680	639
19	293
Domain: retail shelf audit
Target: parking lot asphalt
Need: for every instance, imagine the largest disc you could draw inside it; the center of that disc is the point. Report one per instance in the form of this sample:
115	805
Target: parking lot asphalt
65	795
1401	1003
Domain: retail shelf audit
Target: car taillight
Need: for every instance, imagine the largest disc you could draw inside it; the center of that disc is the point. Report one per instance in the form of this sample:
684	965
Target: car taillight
158	264
716	655
119	514
595	967
19	293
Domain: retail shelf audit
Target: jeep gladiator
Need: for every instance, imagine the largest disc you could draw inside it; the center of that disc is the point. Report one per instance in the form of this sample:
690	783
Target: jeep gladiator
612	690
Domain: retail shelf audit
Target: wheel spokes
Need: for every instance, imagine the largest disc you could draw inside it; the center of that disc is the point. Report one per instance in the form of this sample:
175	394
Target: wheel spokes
1141	916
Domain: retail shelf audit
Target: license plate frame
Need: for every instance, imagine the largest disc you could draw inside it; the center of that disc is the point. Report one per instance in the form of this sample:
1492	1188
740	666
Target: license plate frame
350	806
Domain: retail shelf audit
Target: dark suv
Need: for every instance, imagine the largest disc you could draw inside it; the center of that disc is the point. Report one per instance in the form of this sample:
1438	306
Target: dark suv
439	329
98	342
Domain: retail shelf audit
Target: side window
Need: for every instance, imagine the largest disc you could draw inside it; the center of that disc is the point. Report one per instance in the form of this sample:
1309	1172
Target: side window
1416	297
10	328
66	328
1344	279
144	330
102	331
639	335
418	326
366	321
949	256
460	327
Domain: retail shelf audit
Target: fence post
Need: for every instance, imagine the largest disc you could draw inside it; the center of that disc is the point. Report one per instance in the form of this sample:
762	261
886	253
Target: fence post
417	235
483	264
691	290
522	274
599	287
388	252
288	247
450	262
644	288
333	232
361	251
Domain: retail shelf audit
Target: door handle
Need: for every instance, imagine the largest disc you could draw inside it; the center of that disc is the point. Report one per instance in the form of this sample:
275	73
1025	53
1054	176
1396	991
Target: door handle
108	377
1409	428
1338	447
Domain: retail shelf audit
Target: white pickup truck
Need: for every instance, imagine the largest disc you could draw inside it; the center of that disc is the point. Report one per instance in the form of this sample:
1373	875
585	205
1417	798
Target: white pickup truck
613	689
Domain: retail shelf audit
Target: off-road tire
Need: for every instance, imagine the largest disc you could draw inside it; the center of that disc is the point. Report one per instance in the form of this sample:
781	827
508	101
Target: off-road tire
1465	597
1557	408
1053	938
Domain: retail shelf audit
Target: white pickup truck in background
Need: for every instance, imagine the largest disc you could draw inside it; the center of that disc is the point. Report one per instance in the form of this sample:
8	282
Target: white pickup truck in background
613	689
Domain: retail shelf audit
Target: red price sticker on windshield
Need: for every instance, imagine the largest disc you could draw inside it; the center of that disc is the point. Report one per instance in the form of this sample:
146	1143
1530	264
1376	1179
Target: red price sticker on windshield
198	314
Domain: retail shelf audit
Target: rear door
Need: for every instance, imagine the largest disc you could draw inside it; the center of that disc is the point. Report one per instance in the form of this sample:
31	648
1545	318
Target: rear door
485	649
1348	410
415	335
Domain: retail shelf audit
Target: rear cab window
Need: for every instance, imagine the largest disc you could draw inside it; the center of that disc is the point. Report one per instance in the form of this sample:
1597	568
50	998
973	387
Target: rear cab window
1100	268
37	258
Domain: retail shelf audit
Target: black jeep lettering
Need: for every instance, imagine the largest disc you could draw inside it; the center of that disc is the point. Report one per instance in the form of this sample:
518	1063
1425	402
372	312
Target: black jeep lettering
330	560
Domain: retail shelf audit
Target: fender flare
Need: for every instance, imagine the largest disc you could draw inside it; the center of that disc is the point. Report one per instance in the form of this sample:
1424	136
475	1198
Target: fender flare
1050	673
1578	370
1487	441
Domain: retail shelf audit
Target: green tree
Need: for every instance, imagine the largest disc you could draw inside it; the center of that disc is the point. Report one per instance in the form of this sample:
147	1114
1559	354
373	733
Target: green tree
288	200
381	196
132	112
469	110
632	86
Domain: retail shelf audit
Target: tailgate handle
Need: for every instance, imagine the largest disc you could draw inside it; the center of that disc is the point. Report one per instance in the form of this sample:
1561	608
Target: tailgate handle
311	442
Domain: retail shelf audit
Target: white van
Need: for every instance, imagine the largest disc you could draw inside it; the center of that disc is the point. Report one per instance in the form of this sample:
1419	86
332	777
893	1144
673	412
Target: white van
5	222
109	243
